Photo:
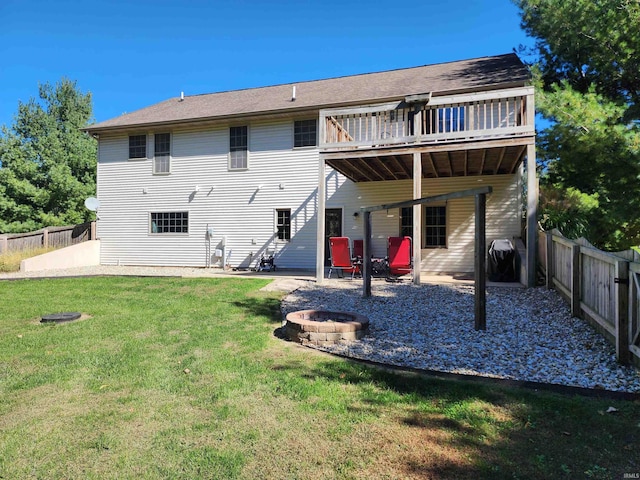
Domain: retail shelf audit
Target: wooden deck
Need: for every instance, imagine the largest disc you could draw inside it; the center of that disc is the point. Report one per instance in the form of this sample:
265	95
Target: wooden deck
482	133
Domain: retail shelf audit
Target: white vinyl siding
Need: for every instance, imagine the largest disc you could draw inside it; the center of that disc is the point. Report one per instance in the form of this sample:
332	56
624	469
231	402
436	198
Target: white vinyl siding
227	201
230	202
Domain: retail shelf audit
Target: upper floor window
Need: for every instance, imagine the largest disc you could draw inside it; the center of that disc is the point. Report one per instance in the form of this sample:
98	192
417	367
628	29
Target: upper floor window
435	227
283	223
238	147
169	222
137	146
305	133
162	153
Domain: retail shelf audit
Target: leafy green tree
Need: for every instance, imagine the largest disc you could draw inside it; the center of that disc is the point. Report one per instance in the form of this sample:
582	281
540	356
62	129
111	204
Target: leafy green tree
588	75
47	163
566	210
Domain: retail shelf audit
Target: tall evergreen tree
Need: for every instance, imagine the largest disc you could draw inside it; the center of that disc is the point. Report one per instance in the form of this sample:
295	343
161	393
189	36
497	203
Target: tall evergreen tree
588	71
47	163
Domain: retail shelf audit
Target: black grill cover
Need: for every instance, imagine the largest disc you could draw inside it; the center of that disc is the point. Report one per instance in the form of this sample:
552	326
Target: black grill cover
502	261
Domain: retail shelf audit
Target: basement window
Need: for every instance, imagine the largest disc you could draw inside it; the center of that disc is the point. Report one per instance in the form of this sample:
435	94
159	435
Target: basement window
406	222
435	227
169	222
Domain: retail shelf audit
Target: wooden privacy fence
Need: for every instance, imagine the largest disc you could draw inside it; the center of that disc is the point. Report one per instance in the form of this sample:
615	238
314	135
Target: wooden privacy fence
602	288
56	237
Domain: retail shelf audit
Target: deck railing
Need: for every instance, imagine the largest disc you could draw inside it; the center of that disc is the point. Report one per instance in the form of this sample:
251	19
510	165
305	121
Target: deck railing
499	113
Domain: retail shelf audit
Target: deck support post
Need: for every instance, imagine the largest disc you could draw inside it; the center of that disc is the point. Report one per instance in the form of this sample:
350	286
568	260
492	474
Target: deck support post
417	217
320	222
480	269
532	215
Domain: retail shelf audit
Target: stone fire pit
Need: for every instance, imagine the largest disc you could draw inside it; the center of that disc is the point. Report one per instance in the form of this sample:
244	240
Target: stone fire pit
323	327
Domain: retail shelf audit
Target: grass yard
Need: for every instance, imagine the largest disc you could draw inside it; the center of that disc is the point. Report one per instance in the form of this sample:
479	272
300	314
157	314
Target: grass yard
184	379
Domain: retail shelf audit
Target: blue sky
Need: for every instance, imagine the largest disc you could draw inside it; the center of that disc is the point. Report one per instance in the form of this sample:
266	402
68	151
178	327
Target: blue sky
134	53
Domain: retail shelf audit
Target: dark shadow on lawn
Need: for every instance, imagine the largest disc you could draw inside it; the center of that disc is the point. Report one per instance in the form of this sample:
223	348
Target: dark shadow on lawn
261	306
501	431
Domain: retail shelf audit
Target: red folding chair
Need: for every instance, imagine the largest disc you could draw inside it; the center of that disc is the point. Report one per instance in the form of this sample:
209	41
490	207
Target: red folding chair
358	249
341	259
399	253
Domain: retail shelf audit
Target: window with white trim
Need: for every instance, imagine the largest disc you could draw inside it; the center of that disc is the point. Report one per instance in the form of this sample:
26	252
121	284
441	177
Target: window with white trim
238	148
283	224
137	146
169	222
435	227
305	133
162	153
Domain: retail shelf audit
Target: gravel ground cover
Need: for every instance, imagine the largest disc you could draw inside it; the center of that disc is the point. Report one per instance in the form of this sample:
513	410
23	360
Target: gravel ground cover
530	333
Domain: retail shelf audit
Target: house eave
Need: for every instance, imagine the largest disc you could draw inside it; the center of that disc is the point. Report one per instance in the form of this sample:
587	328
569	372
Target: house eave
280	113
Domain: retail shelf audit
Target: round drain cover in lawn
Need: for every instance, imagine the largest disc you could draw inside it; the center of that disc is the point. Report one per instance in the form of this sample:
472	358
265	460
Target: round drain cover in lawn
60	317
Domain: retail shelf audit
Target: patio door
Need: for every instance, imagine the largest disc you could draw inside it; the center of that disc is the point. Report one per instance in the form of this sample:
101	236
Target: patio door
333	228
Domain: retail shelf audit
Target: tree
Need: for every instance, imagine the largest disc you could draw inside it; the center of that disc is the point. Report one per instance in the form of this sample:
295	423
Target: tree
47	163
588	86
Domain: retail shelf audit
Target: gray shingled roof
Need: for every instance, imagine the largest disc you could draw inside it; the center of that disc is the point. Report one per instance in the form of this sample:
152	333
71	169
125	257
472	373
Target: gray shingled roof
465	75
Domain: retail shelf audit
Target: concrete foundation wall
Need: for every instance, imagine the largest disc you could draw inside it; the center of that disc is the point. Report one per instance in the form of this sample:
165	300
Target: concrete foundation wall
80	255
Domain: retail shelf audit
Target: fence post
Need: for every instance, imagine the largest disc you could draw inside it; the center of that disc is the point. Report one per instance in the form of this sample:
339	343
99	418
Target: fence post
633	298
45	238
575	280
366	274
549	260
621	281
92	231
4	244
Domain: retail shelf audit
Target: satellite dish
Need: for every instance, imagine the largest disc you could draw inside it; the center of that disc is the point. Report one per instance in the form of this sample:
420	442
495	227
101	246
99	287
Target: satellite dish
92	203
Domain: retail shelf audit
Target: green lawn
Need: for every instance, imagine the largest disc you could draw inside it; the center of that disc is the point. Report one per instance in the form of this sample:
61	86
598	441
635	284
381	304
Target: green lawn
185	379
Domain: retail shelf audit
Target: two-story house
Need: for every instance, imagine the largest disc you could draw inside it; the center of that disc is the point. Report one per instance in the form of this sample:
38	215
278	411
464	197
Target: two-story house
213	179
